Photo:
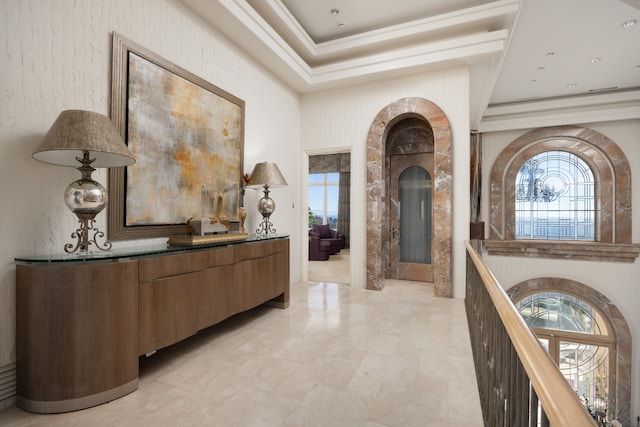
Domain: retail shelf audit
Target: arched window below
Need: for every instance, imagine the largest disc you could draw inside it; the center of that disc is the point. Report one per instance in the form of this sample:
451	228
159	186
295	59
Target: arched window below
578	340
587	337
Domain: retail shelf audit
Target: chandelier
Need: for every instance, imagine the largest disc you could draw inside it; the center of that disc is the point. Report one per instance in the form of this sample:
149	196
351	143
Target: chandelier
531	186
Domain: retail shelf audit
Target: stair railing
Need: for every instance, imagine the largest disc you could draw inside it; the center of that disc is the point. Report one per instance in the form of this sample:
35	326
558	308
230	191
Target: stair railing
519	383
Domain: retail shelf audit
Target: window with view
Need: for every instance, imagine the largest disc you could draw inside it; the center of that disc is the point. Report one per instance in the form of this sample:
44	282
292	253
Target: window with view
576	336
555	198
323	198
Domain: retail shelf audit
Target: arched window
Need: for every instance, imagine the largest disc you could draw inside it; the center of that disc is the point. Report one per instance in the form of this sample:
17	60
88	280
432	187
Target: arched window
554	198
577	338
586	335
561	192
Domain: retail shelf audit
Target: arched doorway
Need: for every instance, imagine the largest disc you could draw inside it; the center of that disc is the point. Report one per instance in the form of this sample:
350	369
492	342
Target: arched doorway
408	112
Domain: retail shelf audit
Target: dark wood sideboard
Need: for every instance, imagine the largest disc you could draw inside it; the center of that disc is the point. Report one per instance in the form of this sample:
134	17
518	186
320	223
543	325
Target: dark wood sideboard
82	323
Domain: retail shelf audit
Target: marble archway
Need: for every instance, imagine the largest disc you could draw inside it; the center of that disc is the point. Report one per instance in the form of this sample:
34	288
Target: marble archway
377	159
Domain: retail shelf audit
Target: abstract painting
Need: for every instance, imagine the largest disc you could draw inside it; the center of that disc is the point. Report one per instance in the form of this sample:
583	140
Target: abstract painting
187	137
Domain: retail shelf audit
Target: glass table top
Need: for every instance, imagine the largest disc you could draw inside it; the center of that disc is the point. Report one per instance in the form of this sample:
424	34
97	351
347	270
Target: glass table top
118	253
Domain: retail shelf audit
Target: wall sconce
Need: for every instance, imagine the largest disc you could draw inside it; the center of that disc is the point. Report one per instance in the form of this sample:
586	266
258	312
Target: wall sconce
267	175
90	139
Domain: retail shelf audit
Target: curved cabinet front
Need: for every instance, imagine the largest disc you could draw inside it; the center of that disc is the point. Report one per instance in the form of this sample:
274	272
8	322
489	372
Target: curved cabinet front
76	331
81	325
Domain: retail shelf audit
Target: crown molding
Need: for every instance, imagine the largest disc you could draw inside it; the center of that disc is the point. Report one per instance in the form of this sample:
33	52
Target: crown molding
465	21
622	105
238	21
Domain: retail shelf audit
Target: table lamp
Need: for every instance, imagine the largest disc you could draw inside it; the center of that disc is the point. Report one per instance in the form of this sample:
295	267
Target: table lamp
91	140
267	175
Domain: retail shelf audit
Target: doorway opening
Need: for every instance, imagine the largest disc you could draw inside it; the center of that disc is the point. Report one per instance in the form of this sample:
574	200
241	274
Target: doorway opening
329	205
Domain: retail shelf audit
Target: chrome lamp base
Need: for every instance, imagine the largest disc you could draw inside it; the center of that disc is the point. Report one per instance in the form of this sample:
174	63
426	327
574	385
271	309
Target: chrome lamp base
266	206
86	198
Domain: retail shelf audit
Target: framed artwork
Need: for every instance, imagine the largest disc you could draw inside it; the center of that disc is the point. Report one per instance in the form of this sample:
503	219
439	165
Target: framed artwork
187	137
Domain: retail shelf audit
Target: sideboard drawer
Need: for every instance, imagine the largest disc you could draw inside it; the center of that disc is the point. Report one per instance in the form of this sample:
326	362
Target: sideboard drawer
260	249
171	265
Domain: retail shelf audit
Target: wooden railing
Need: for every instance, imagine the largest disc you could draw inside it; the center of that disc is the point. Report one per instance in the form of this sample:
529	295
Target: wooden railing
519	383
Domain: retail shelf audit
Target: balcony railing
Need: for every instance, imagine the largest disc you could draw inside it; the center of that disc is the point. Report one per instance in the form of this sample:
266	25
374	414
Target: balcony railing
519	383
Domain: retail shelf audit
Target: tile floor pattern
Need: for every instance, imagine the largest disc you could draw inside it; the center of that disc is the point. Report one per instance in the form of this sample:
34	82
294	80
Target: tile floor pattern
337	356
335	270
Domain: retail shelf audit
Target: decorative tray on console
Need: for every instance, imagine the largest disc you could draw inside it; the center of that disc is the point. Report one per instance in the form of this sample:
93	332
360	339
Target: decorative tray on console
186	240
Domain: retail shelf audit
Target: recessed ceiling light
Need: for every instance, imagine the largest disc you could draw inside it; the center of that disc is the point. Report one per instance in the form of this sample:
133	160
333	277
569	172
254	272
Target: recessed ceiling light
550	53
334	11
532	81
572	85
595	60
636	67
630	23
341	24
539	68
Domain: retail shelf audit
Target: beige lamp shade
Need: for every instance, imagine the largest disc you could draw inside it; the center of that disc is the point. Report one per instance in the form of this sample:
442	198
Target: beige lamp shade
266	173
77	131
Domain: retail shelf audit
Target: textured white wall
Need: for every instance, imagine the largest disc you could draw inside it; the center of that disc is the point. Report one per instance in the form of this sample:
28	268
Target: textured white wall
618	281
340	119
57	56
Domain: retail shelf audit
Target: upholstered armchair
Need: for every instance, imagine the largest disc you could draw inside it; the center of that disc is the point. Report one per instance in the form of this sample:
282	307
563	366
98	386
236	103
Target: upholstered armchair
330	239
318	250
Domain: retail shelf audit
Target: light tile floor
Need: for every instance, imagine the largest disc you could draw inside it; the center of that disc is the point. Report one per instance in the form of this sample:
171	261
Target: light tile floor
337	356
335	270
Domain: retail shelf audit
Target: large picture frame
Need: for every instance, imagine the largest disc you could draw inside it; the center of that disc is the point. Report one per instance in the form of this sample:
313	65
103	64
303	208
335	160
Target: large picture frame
187	136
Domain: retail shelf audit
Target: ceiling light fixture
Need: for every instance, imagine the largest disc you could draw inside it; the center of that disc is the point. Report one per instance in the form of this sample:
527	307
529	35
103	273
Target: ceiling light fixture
636	67
572	85
334	12
550	53
532	81
341	24
630	23
539	68
595	60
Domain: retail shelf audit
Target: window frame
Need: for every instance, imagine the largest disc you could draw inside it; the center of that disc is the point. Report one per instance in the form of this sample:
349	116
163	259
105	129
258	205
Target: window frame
324	184
612	176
